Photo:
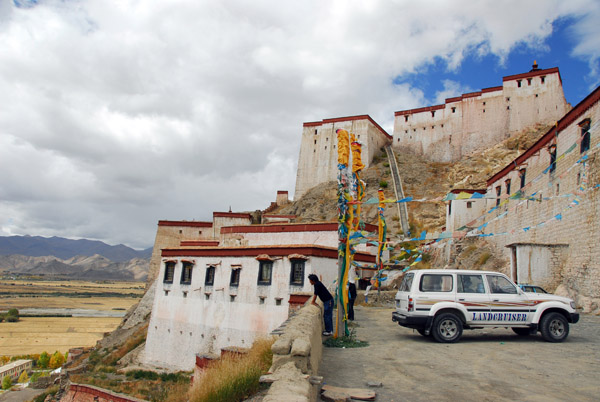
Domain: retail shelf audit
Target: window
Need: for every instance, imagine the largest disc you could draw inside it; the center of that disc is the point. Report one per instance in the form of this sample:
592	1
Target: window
543	79
166	292
278	301
406	282
552	151
265	270
206	296
405	117
585	136
519	83
235	277
507	184
508	99
185	294
315	142
297	273
528	81
436	283
232	298
315	131
508	108
433	113
500	285
498	192
450	208
261	300
522	174
209	279
453	110
469	204
470	284
557	188
169	272
186	273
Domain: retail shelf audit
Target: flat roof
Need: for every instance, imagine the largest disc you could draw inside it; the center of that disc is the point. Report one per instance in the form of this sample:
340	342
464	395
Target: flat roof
347	118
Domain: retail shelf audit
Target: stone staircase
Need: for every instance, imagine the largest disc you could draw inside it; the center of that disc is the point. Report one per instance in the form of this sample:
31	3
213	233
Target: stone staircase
398	191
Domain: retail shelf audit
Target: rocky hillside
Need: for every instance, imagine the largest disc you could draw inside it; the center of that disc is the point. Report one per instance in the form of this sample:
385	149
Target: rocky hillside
421	179
95	267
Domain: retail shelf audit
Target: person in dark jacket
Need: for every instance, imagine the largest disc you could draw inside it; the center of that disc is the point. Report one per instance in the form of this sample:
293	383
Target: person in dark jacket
351	298
326	298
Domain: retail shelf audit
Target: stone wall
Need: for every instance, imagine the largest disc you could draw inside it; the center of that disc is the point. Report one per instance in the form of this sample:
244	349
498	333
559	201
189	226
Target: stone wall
550	218
297	354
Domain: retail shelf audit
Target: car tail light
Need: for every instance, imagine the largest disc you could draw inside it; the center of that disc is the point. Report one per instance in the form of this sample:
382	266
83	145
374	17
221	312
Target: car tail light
411	304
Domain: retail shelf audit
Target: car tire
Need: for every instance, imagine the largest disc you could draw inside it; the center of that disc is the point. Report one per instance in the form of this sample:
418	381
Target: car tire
422	332
447	328
554	327
521	331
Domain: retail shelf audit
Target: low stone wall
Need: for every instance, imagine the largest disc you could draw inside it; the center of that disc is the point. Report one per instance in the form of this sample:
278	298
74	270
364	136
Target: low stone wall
296	357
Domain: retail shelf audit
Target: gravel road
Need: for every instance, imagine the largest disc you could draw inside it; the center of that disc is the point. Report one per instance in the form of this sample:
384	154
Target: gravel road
485	365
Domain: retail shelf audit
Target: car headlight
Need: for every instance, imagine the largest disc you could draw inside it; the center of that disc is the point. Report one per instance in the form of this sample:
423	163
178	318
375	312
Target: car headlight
573	305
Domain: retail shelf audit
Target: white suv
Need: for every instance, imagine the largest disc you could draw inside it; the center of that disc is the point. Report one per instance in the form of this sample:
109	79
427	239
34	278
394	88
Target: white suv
444	302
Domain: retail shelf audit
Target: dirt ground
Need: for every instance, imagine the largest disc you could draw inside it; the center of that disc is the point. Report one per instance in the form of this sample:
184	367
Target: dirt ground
485	365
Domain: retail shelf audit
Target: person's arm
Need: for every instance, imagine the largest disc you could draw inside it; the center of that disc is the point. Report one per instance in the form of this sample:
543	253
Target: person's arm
313	302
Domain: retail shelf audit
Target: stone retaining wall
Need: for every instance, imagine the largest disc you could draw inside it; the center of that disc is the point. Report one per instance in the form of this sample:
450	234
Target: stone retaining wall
296	357
88	393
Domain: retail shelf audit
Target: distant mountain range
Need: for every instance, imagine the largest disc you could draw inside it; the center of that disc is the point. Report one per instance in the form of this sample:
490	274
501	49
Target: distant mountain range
81	267
37	246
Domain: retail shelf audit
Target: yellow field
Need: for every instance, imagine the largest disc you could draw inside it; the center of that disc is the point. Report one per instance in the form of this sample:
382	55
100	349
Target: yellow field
37	334
21	294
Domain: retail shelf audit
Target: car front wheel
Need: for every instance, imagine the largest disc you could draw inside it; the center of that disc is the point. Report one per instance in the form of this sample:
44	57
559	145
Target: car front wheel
447	328
554	327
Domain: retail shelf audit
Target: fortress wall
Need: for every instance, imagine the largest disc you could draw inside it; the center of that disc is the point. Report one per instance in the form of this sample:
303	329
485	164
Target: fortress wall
170	234
478	120
577	267
317	162
221	219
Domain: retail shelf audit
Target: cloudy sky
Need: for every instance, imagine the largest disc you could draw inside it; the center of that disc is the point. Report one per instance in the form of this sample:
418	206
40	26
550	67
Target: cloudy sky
117	113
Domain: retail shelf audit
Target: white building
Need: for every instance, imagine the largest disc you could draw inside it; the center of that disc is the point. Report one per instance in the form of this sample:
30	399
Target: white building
213	297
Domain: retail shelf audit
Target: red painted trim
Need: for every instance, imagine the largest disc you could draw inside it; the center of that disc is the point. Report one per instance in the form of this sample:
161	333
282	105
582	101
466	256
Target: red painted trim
272	251
471	95
281	192
455	99
419	110
194	224
231	215
492	89
312	124
470	191
282	228
533	74
561	125
348	118
207	243
298	299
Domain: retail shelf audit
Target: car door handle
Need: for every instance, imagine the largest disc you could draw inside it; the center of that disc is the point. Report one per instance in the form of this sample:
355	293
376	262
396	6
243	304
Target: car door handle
495	299
461	299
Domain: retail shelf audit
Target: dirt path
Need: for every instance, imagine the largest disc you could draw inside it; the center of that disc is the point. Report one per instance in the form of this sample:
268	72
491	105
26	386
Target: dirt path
486	365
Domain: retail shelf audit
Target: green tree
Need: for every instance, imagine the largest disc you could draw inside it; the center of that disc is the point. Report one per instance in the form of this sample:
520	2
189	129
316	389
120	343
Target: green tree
6	382
23	377
44	360
13	312
57	360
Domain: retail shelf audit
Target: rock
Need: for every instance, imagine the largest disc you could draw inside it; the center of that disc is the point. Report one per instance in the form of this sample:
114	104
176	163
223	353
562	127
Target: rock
335	396
282	346
300	347
374	384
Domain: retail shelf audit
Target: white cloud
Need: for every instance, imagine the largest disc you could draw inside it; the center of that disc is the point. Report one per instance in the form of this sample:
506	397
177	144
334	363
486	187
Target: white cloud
117	113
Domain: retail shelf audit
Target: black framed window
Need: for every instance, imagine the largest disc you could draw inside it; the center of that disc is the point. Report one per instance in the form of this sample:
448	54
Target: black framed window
552	151
169	272
209	278
507	184
297	273
498	192
186	273
522	174
235	277
585	136
265	271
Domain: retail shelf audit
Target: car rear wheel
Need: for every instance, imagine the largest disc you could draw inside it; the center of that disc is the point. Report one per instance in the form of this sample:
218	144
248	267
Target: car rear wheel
447	328
521	331
554	327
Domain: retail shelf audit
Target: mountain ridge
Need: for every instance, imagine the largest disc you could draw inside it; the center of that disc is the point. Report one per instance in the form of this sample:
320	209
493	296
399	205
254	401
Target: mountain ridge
62	248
